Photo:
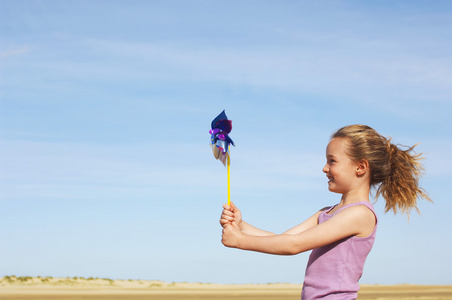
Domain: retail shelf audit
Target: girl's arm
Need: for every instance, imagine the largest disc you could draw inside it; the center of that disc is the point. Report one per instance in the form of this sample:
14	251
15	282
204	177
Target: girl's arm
251	230
356	220
233	214
309	223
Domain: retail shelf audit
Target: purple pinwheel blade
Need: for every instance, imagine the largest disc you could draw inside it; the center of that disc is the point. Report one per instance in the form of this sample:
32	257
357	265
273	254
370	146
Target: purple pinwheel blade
220	140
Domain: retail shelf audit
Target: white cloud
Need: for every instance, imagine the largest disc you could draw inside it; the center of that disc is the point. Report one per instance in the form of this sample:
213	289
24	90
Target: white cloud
14	52
299	68
45	169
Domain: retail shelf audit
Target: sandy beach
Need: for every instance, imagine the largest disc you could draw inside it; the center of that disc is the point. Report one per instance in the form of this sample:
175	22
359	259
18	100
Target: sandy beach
40	288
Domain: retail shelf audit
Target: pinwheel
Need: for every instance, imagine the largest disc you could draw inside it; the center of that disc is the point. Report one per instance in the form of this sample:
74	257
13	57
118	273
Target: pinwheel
220	142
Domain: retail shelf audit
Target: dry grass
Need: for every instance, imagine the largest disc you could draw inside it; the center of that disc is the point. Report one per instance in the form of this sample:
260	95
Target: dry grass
14	288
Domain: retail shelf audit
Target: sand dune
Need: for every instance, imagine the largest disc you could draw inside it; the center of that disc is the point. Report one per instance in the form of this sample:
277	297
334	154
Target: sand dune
40	288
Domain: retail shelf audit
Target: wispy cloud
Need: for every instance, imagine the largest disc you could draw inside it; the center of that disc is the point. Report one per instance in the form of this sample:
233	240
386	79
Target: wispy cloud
14	52
390	75
45	169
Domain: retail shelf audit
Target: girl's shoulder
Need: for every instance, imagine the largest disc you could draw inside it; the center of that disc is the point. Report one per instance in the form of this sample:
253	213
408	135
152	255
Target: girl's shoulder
357	206
356	212
361	215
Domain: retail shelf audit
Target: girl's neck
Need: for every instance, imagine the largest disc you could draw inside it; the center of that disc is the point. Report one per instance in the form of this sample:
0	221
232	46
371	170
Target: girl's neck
350	198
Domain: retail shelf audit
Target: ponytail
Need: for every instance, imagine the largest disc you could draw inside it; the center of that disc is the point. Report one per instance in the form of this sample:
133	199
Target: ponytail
393	171
401	189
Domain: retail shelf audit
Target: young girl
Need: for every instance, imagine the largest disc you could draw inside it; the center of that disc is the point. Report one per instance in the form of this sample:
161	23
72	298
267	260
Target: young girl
357	159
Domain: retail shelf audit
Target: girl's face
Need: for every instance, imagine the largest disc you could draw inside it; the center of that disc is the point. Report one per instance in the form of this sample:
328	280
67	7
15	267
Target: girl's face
339	168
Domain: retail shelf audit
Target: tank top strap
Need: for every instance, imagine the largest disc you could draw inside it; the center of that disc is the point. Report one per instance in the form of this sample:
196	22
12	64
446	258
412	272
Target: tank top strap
365	203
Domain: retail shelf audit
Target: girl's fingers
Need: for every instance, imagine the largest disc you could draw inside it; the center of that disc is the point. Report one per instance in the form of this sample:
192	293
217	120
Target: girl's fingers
223	224
226	220
227	213
230	218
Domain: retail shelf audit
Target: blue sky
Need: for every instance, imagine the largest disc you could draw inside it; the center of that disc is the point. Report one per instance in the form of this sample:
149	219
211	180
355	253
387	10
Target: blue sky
105	108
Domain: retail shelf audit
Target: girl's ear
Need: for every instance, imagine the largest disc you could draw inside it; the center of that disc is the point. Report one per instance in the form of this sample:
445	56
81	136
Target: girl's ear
362	167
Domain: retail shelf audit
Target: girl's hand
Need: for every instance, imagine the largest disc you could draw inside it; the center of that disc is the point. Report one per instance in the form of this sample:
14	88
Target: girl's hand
231	235
230	214
237	215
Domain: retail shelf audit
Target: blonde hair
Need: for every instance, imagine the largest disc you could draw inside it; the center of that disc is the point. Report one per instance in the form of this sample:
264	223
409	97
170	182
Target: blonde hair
395	171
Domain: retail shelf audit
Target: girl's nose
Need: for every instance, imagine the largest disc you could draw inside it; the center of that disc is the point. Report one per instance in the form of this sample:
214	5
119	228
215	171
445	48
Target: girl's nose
325	169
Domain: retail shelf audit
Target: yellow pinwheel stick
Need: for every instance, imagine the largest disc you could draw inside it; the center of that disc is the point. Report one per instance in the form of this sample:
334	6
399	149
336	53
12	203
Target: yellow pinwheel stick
229	178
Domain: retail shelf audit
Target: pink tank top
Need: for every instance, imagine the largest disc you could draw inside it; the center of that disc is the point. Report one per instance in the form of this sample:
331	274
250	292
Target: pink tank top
333	271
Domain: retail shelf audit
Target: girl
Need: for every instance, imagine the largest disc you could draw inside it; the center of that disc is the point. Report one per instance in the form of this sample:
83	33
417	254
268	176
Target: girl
357	159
